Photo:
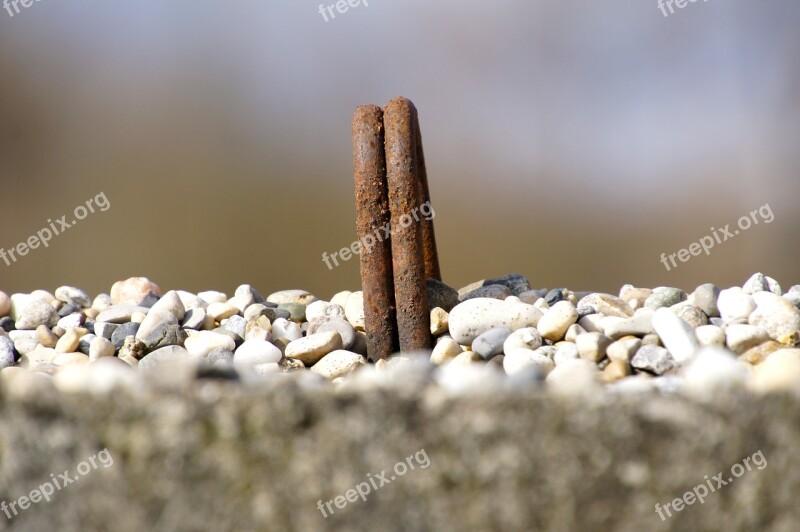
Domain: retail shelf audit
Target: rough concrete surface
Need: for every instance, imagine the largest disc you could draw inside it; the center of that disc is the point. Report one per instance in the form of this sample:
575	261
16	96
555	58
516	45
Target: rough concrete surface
222	456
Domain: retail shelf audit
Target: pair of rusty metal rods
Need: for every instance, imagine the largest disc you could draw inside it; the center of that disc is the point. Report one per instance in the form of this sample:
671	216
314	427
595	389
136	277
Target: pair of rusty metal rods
398	247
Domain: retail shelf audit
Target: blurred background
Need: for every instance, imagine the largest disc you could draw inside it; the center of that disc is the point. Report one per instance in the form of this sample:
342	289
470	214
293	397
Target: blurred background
569	141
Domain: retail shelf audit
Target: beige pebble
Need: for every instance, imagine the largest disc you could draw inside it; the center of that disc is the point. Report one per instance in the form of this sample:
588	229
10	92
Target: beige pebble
445	350
439	321
68	343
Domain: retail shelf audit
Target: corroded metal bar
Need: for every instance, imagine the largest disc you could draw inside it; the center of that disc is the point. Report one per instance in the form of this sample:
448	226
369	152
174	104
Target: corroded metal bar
373	214
430	254
408	265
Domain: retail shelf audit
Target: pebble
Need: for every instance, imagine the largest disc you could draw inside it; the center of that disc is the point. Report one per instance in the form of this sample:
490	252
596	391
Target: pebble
171	303
495	291
759	282
153	325
7	355
5	304
67	359
99	348
690	314
37	312
714	369
739	337
624	348
191	301
633	296
607	305
168	354
133	291
653	359
235	324
194	319
441	295
340	298
591	322
554	324
708	335
221	311
475	316
734	304
341	326
513	281
445	350
297	312
45	336
592	346
120	313
778	316
554	296
640	324
84	344
676	335
527	338
616	370
248	290
793	296
71	322
132	348
311	349
565	351
122	332
705	298
323	309
573	332
74	296
291	296
780	372
338	363
490	343
354	310
212	296
68	343
283	328
201	343
439	321
756	355
664	296
254	352
518	360
102	302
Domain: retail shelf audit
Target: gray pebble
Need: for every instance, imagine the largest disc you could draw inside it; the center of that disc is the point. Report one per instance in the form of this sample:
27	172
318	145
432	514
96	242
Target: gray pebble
441	295
513	281
494	291
124	330
7	355
73	296
219	354
555	295
653	359
664	296
194	319
297	311
105	329
705	298
490	343
236	324
84	344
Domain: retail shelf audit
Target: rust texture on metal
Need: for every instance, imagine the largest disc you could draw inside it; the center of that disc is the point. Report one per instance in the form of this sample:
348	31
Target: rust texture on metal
373	213
430	254
408	264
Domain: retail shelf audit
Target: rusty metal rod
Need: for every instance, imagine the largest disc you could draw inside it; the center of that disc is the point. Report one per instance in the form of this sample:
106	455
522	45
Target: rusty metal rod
372	217
408	264
430	254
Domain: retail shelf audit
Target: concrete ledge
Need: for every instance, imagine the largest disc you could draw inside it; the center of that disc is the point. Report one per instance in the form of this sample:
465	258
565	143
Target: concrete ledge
221	456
